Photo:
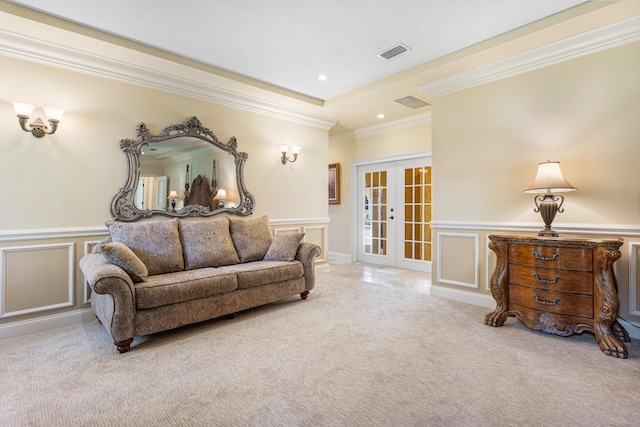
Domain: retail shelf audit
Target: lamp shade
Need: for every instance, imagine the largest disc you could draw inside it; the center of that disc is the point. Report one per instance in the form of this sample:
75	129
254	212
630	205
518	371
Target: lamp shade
549	179
173	195
221	195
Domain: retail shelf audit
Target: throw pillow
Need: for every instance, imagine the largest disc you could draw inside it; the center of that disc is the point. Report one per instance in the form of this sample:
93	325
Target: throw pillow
284	247
251	237
207	243
120	255
156	243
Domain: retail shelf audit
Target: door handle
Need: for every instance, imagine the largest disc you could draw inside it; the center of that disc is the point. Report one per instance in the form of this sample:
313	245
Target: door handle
391	217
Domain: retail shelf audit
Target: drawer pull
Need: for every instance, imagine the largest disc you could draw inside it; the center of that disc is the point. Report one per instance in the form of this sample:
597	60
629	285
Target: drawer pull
546	281
543	302
541	258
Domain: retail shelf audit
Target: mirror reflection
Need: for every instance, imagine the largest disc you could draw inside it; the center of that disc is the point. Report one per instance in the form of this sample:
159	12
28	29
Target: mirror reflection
183	171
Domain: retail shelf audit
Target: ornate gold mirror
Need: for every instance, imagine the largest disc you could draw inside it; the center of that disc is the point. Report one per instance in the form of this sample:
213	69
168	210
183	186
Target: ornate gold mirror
183	171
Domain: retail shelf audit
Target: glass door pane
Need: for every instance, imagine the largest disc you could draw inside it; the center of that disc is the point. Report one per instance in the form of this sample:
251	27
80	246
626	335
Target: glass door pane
375	211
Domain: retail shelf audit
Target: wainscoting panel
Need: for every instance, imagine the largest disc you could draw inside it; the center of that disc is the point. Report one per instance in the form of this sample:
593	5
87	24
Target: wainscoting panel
42	286
634	278
458	259
36	278
455	255
88	247
316	232
490	266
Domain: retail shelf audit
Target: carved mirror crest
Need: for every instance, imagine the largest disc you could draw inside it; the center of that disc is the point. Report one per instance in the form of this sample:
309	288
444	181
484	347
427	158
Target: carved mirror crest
183	171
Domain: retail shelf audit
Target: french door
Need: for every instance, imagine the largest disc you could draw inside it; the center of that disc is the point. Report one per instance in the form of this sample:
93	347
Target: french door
394	213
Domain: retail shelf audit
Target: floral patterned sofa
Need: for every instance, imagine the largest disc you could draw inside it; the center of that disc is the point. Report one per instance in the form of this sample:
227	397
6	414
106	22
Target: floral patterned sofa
152	276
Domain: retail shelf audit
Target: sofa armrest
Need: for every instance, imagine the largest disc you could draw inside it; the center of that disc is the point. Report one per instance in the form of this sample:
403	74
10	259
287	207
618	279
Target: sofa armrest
307	253
113	298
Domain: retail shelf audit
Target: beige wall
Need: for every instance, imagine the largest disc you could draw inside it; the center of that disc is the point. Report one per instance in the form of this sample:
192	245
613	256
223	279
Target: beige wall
415	139
488	140
62	184
74	173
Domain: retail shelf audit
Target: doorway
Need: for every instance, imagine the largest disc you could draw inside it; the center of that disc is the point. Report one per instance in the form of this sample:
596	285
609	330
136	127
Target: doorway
393	212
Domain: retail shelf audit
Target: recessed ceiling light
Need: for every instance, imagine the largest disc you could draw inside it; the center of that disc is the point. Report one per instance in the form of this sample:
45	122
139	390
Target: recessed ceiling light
381	116
322	77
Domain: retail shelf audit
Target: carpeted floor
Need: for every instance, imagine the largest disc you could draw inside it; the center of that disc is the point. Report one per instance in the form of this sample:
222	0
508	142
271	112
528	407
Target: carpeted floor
353	354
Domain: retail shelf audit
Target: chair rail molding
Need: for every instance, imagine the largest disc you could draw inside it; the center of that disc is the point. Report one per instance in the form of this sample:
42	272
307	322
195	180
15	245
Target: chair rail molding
591	229
52	233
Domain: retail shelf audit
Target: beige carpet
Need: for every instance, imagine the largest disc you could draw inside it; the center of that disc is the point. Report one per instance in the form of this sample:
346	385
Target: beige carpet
353	354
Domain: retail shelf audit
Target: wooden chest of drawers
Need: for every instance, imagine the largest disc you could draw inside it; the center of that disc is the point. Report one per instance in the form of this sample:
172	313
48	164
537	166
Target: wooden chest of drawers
559	285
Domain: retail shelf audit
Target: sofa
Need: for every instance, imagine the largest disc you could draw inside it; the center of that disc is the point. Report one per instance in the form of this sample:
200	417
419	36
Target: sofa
152	276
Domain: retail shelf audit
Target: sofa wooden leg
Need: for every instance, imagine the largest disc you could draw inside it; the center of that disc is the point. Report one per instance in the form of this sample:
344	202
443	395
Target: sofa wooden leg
304	295
123	346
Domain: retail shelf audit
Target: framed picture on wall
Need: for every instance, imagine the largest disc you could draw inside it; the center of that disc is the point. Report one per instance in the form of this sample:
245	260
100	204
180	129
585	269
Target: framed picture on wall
334	184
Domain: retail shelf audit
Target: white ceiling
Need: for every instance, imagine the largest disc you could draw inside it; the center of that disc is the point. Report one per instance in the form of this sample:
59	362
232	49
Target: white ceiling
288	43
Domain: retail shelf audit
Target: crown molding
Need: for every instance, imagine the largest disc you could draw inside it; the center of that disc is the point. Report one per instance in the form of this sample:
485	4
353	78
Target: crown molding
51	54
587	43
379	129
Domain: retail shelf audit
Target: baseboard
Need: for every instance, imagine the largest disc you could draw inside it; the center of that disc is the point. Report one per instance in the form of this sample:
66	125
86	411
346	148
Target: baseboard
339	256
31	326
463	296
632	328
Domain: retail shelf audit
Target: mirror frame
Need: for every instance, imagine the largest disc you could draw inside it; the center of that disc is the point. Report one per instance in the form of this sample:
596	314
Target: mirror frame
122	205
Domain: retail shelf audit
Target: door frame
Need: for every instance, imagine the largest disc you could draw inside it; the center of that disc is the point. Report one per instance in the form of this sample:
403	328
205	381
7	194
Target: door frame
354	191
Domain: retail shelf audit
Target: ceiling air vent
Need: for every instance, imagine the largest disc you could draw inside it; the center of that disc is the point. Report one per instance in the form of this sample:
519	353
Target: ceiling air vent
394	51
411	101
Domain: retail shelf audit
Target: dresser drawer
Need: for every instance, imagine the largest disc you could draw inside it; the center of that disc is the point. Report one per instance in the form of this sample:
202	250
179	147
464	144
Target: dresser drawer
552	257
556	302
552	278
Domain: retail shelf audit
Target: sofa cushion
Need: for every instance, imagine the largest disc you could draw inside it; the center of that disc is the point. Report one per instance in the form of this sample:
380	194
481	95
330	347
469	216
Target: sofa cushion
156	243
251	237
119	254
207	243
259	273
171	288
284	247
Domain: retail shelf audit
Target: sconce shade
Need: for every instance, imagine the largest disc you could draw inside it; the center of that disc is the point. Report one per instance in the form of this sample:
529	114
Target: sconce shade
294	152
549	179
173	194
37	128
53	113
23	109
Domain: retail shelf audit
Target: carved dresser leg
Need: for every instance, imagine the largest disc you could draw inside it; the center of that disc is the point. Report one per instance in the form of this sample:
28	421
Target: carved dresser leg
499	286
608	331
304	294
620	332
123	346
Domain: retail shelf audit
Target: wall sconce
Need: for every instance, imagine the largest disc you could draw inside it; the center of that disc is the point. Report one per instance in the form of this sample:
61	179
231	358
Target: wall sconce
37	127
173	195
285	149
549	180
221	196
